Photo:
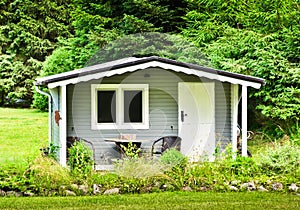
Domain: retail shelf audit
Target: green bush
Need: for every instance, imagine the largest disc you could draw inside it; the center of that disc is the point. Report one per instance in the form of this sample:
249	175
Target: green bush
241	167
173	158
80	159
177	164
281	160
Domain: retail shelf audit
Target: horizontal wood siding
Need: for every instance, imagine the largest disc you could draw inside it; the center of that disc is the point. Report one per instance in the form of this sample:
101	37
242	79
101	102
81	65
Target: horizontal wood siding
223	114
163	109
55	128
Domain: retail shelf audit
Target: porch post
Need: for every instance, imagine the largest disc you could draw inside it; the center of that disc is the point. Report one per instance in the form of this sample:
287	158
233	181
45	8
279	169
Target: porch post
63	125
234	117
244	120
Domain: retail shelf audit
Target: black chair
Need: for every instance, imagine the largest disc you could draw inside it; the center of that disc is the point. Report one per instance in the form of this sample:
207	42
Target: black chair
167	143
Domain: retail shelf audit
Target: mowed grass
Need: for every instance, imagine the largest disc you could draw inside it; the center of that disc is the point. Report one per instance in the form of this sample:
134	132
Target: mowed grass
166	200
22	133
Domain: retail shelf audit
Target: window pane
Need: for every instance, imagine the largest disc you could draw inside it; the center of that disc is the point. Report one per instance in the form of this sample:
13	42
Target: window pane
133	108
106	106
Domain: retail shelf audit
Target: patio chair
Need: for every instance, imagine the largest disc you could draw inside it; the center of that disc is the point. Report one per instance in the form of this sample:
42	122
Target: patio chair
167	143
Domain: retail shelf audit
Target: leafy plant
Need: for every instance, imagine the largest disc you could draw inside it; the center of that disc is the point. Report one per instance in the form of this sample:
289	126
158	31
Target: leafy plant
131	150
177	164
51	151
80	159
173	158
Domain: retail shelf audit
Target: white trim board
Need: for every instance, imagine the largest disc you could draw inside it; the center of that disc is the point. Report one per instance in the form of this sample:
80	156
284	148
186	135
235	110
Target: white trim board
162	65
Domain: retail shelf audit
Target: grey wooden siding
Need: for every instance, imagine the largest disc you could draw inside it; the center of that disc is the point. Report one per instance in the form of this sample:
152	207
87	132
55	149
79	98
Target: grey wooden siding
223	114
55	128
163	109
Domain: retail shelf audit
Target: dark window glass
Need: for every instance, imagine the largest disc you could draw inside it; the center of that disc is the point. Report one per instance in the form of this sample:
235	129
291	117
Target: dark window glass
133	108
106	106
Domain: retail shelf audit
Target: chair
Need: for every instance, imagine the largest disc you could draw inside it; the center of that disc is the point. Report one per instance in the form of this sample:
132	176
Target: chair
167	143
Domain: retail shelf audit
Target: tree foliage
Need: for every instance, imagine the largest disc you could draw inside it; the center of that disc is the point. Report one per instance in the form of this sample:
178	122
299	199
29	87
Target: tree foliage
28	33
258	38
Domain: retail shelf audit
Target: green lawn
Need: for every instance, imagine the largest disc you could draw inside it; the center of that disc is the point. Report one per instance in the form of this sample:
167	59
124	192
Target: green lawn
23	132
168	200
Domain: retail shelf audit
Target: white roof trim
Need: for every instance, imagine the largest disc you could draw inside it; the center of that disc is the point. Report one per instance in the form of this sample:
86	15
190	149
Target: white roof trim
149	64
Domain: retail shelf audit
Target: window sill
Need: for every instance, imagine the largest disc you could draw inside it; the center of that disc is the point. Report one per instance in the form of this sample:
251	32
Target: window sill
131	126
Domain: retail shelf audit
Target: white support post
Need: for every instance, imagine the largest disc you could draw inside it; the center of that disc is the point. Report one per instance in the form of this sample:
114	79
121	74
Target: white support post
63	125
244	120
234	117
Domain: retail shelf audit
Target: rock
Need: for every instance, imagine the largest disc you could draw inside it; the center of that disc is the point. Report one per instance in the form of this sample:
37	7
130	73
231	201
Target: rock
187	189
293	187
262	189
112	191
97	188
28	194
83	188
51	193
146	189
62	187
276	186
235	182
157	184
204	189
14	193
18	194
74	186
70	193
2	193
250	186
10	193
233	188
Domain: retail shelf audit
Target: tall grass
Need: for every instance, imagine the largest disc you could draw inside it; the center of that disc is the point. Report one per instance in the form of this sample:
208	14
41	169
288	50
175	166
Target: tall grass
23	132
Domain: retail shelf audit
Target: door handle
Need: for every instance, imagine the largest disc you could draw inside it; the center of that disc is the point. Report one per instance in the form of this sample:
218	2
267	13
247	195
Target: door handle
182	116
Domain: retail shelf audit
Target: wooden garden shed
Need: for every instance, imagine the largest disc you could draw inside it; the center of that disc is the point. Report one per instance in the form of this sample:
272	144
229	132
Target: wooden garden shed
149	97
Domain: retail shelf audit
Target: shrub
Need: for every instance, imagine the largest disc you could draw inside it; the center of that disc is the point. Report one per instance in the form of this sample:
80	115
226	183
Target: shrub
241	167
283	159
177	164
80	159
173	157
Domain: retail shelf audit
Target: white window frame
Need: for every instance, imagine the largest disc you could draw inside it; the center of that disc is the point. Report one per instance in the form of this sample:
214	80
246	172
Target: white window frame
119	124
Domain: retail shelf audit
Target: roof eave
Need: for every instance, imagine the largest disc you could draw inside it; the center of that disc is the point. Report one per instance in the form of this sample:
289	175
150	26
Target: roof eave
140	63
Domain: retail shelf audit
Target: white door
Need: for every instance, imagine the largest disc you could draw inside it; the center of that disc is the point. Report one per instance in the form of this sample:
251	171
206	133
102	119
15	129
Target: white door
196	123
